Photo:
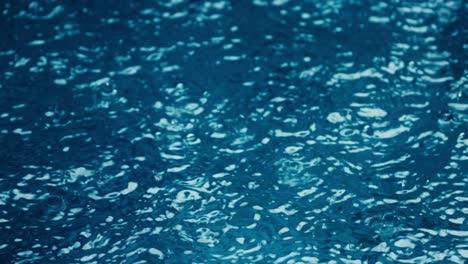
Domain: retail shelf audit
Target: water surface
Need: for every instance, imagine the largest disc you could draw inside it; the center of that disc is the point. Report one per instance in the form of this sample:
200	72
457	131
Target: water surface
233	131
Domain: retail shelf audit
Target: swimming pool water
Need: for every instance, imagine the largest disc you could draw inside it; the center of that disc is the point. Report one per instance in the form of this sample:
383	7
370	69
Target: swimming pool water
247	131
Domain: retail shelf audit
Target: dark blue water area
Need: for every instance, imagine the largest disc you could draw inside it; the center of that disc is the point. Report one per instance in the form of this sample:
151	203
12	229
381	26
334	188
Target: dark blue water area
247	131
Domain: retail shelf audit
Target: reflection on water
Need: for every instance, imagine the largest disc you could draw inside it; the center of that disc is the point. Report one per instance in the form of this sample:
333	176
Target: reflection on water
267	131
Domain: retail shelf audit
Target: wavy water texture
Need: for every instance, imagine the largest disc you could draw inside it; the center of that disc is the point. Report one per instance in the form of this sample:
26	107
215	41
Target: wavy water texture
251	131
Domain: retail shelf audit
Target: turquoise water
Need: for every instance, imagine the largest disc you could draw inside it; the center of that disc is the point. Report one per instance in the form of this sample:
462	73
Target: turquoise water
233	132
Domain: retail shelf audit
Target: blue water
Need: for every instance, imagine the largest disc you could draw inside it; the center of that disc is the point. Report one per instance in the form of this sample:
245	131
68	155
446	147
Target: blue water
249	131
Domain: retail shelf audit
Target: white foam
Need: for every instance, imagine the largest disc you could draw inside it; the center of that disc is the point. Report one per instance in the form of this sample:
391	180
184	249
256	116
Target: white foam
187	195
88	258
379	20
404	243
220	175
232	58
390	133
22	62
108	163
278	99
157	252
458	106
354	76
280	133
158	105
307	192
153	190
463	252
300	225
309	72
170	156
335	117
130	188
60	81
22	132
218	135
36	42
372	112
100	82
382	247
280	2
230	167
130	70
240	240
178	169
283	209
292	149
79	172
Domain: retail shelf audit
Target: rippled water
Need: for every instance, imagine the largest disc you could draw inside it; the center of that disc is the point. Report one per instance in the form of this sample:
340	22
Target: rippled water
233	131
